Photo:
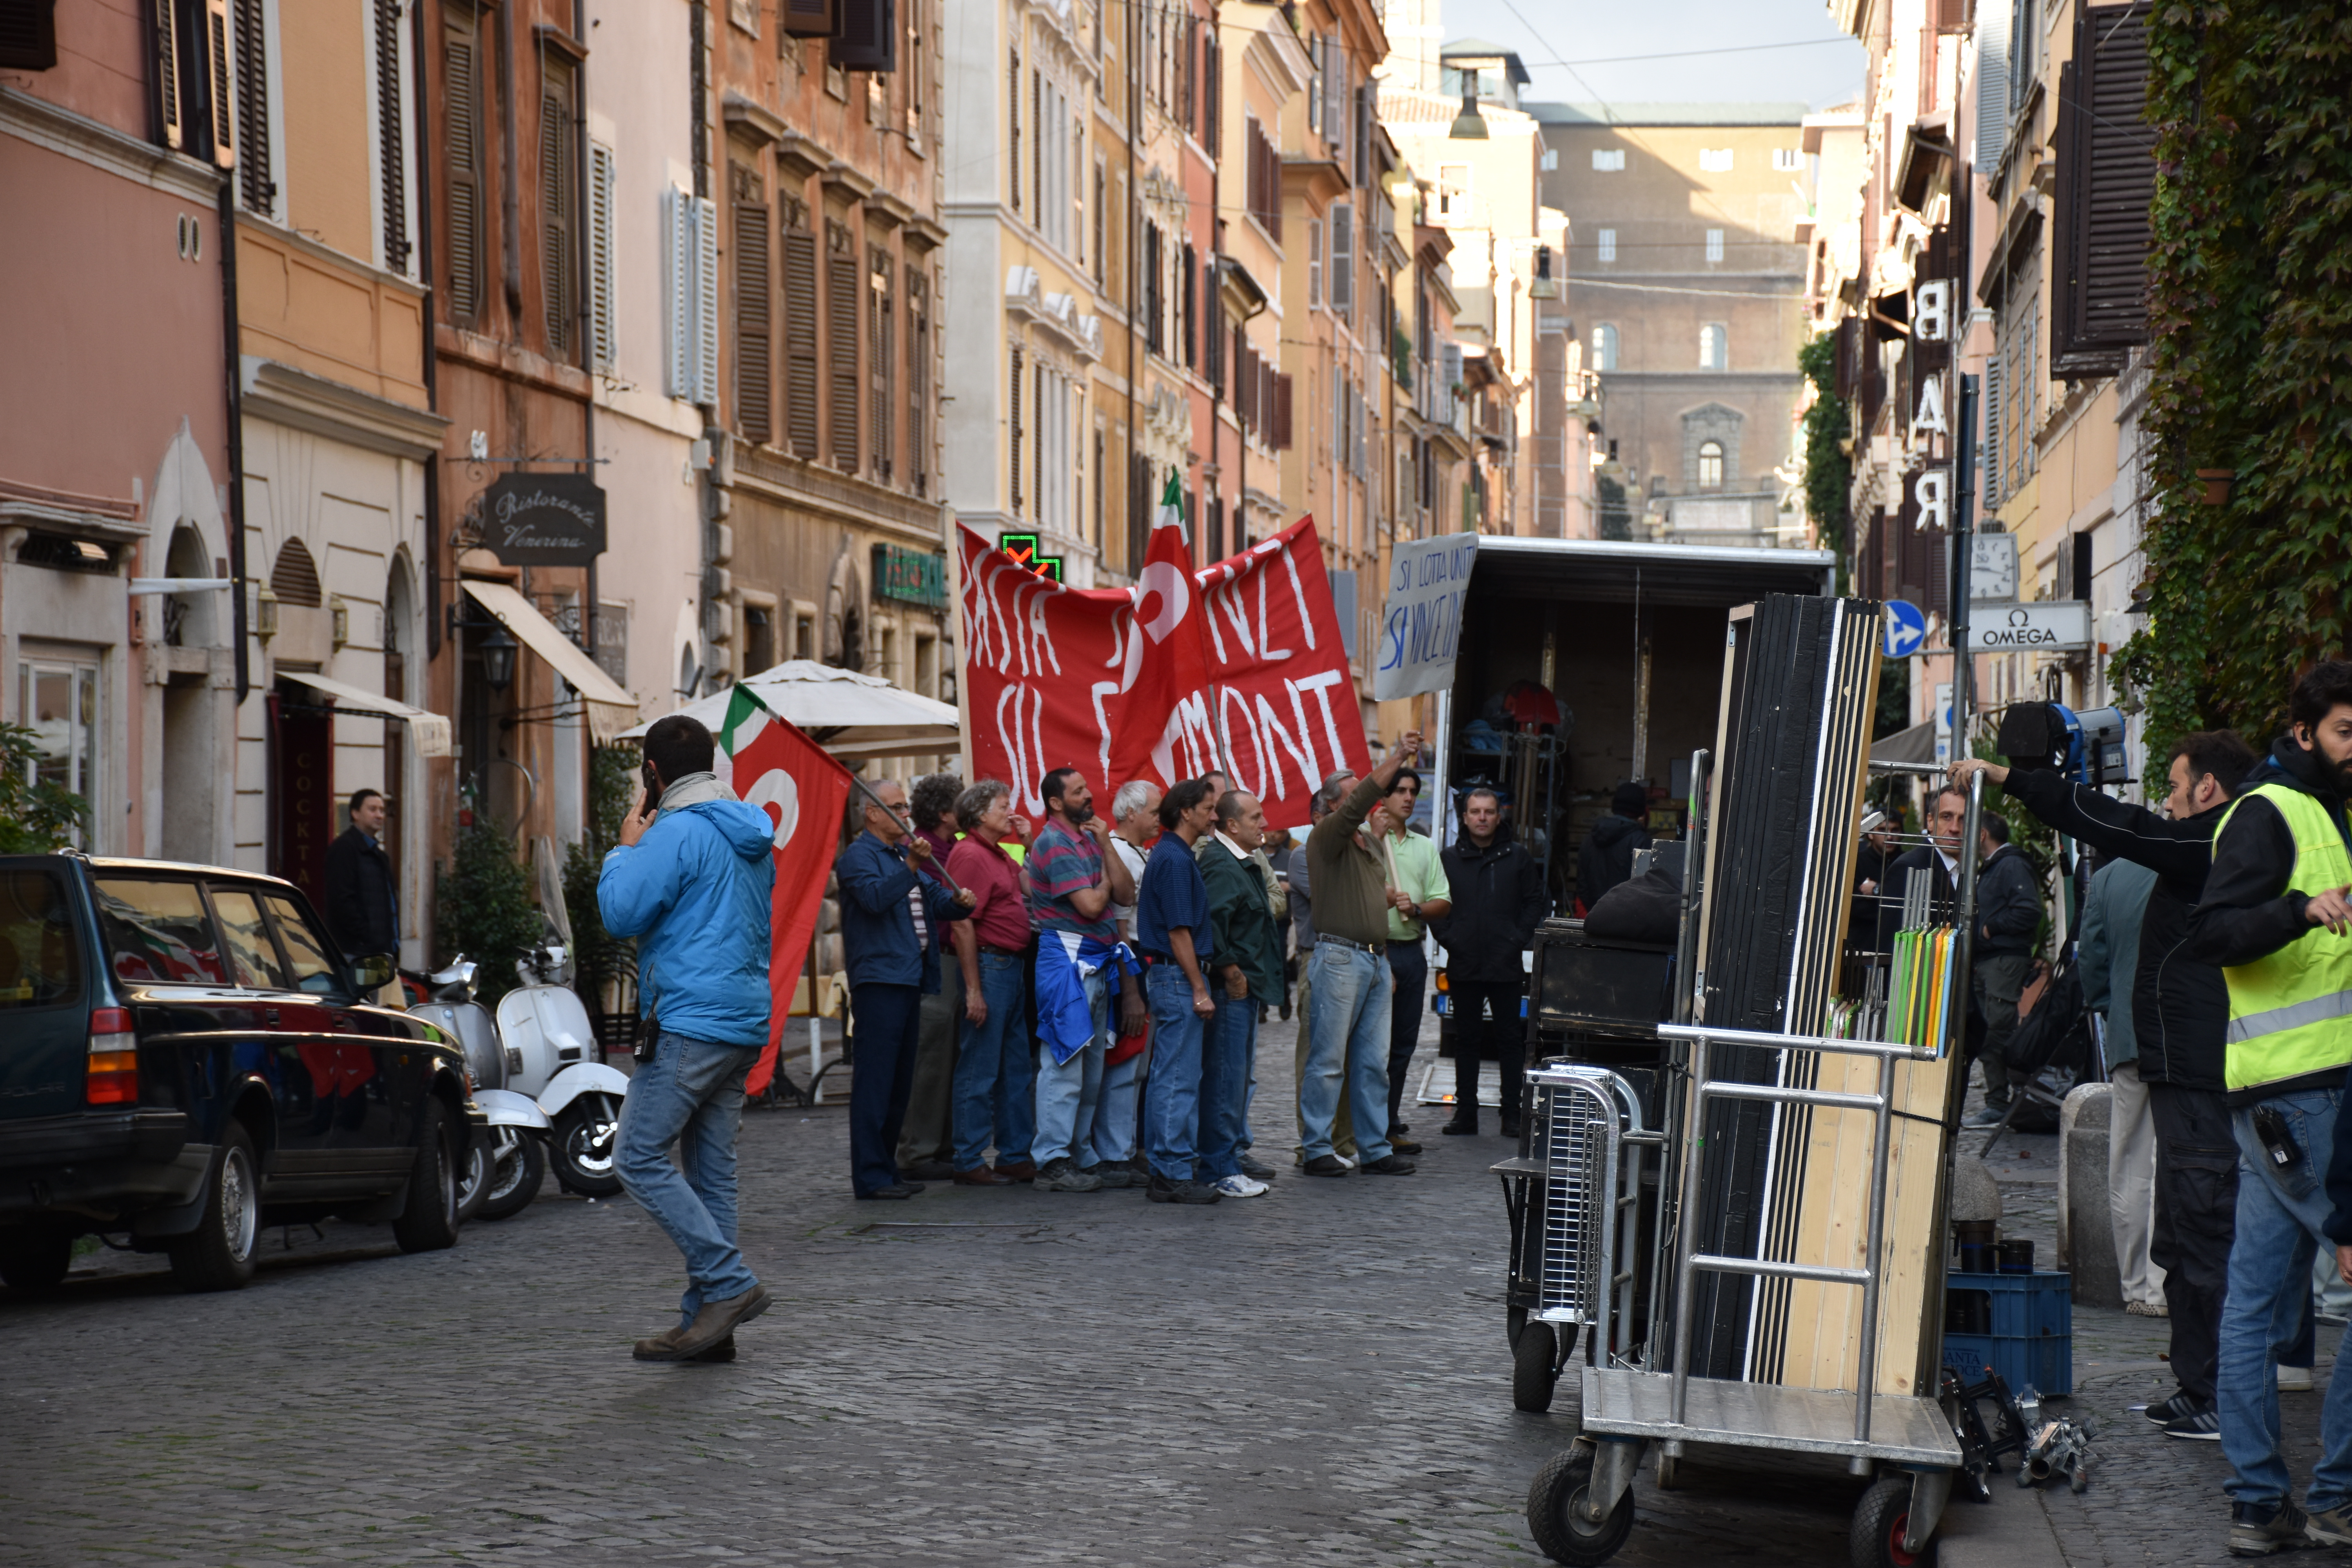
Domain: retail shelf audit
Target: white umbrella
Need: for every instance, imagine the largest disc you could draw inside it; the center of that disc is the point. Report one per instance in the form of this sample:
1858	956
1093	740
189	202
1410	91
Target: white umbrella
851	715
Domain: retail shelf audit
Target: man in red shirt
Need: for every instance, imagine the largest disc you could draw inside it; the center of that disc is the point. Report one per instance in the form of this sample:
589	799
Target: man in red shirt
995	1070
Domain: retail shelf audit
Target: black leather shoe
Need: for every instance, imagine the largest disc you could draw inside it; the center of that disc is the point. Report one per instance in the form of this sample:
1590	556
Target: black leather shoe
897	1190
1457	1128
1387	1165
1327	1165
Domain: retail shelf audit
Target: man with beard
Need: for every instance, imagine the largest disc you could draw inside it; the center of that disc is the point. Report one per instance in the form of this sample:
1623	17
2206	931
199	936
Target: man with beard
2181	1014
2277	918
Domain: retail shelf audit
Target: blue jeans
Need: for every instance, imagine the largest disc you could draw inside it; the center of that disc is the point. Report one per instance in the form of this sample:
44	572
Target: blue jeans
1226	1048
2280	1220
691	1093
1348	1038
995	1074
1113	1138
1171	1100
1069	1093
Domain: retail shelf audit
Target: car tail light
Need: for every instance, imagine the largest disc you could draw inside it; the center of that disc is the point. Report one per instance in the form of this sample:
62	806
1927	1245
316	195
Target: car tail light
1442	984
113	1058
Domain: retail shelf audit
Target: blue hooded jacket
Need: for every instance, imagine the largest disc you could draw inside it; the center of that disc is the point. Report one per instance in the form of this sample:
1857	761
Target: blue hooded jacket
696	892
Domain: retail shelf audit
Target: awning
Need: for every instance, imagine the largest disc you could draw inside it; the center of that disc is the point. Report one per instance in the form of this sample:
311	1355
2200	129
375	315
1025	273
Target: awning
430	732
1915	745
851	714
611	709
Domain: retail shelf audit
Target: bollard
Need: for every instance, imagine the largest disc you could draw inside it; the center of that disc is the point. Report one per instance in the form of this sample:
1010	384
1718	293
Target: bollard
2086	1240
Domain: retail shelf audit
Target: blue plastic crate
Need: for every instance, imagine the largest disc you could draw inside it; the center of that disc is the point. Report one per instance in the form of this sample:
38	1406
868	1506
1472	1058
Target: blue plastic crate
2033	1337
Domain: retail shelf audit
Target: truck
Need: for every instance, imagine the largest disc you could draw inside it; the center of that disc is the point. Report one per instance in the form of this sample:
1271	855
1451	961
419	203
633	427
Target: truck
1584	664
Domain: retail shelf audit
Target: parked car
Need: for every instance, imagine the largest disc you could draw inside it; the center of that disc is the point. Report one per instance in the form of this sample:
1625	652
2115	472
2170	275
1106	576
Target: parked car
186	1058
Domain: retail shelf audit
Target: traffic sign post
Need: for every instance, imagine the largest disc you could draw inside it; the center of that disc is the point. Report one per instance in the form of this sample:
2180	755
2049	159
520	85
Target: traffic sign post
1907	629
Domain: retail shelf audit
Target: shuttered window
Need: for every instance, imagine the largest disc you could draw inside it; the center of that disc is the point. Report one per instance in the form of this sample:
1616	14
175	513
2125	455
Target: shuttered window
602	337
1282	411
2106	183
255	187
1013	428
1342	292
881	317
1993	490
705	231
1315	264
222	103
841	287
167	71
800	332
1992	83
754	364
461	94
558	257
391	135
918	379
1012	113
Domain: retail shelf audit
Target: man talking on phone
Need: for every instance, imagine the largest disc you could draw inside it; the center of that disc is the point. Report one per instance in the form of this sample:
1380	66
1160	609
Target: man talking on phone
692	879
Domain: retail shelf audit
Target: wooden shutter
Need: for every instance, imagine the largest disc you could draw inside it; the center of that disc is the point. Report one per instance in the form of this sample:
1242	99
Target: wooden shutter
677	292
919	379
28	34
1282	411
1991	443
800	332
557	269
841	285
868	39
1993	82
754	368
1315	264
1192	304
2106	183
219	100
1037	139
1012	426
603	344
706	301
1012	114
881	323
1315	84
167	71
391	137
462	109
254	186
1342	291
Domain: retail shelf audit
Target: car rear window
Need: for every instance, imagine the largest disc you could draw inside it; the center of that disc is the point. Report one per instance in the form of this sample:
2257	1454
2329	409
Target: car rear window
157	933
40	963
246	936
315	969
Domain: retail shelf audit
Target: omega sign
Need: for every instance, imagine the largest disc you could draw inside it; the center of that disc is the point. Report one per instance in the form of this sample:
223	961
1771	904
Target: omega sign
2050	625
544	520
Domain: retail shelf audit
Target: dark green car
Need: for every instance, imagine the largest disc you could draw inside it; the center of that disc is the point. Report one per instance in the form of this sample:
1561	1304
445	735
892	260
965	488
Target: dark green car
184	1059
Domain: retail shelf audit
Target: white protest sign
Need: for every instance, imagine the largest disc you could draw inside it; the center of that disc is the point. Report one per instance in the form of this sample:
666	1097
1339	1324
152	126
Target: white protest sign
1421	625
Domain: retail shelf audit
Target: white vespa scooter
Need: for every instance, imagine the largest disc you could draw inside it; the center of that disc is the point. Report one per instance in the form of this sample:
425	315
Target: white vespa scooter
504	1169
551	1061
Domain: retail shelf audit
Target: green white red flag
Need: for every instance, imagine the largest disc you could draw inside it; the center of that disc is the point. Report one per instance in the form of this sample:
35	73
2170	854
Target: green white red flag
769	762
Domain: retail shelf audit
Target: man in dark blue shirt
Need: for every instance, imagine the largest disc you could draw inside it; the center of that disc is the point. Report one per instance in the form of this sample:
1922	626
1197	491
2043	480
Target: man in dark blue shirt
1172	928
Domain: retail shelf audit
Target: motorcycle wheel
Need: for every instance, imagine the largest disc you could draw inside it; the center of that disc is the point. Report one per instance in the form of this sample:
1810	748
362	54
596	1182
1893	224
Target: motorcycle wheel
586	1136
474	1174
519	1166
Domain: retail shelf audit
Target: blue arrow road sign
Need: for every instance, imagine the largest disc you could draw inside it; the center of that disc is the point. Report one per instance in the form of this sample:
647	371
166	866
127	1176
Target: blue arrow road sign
1907	629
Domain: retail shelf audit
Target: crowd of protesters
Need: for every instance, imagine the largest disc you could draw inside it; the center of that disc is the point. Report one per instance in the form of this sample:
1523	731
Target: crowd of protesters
1074	1003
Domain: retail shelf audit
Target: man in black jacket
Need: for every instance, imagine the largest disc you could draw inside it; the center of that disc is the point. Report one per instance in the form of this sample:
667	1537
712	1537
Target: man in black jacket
2181	1013
362	909
2009	914
1606	855
1498	901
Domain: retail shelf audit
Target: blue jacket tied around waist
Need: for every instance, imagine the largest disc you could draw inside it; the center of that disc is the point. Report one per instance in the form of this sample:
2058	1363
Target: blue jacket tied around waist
696	892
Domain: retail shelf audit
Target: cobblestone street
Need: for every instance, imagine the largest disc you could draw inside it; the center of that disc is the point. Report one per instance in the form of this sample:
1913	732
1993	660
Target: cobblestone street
975	1377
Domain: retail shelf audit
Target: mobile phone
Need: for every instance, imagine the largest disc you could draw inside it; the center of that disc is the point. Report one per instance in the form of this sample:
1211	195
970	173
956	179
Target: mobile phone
2278	1139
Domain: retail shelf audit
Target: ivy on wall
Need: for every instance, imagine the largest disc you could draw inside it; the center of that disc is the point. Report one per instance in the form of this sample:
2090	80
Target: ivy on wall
2250	360
1829	472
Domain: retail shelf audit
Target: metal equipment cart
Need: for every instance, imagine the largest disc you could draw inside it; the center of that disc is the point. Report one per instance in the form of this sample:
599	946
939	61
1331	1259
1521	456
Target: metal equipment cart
1582	1230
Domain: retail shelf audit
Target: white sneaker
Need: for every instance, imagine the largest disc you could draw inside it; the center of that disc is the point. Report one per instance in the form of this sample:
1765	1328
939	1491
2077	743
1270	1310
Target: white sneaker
1239	1186
2295	1380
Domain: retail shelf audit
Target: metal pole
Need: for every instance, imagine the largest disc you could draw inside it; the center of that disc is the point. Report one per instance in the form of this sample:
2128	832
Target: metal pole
876	802
1694	1148
1964	462
1866	1373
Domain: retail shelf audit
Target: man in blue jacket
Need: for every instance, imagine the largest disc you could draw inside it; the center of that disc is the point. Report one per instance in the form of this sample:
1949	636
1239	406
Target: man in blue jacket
692	879
888	914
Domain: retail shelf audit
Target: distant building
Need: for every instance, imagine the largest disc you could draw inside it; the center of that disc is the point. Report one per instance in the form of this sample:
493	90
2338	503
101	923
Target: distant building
1687	284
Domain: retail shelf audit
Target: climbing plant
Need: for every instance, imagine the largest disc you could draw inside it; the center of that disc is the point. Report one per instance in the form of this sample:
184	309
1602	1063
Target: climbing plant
2250	360
1829	472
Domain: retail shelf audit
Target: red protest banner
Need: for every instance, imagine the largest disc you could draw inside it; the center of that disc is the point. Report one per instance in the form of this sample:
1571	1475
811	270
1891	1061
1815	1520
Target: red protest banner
1237	667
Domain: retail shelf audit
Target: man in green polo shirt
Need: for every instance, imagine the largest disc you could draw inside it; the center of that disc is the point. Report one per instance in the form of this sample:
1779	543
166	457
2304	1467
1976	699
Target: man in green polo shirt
1417	892
1348	1031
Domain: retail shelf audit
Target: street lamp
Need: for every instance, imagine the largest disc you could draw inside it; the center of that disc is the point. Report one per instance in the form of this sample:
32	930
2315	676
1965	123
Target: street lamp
1469	125
497	650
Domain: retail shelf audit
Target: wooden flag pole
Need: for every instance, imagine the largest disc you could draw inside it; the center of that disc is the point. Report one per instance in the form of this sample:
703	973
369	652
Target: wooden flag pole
875	801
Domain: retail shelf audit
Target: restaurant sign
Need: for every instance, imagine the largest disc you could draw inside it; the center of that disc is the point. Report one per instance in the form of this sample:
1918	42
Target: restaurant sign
544	520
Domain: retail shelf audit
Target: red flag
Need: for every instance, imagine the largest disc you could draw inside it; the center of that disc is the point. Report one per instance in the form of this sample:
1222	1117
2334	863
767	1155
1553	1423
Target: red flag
803	791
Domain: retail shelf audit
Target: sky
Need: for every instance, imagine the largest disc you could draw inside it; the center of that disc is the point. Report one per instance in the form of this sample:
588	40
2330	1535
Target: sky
1828	69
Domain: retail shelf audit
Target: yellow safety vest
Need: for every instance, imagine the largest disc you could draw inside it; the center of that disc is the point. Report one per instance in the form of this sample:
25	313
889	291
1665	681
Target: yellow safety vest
2290	1012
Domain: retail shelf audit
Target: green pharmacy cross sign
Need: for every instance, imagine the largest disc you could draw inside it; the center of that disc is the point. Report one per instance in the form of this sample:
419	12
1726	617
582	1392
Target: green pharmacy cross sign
1025	551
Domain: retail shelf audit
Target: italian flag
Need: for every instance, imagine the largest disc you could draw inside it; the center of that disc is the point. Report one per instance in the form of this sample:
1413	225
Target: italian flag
774	766
1172	504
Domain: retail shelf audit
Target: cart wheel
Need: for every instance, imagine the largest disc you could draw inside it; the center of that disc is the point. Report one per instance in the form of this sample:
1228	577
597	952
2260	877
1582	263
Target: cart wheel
1516	1320
1879	1521
1534	1368
1552	1501
1669	1474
